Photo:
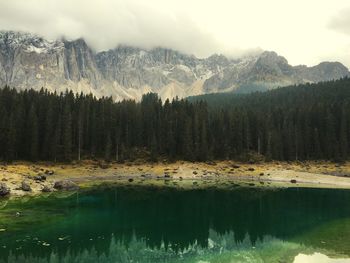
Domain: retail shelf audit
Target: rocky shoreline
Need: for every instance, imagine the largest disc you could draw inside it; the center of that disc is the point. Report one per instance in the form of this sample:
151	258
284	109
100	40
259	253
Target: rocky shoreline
24	178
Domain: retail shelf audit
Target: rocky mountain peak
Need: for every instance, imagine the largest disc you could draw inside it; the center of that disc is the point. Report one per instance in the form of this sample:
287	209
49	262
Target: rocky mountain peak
28	42
272	58
270	65
335	69
31	61
218	60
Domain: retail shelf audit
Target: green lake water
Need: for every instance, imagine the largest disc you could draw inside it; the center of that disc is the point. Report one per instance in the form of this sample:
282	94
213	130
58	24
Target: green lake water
144	224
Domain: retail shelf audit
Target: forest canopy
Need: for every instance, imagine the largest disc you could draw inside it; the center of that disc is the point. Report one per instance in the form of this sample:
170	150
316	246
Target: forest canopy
304	122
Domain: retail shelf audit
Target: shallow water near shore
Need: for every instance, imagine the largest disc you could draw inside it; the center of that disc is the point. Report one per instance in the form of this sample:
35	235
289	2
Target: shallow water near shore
150	224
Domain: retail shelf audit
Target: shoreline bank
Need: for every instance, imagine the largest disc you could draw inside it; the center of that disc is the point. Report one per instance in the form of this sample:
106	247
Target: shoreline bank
39	176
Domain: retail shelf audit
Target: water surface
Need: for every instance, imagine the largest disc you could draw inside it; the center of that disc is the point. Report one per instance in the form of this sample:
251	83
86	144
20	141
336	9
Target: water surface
143	224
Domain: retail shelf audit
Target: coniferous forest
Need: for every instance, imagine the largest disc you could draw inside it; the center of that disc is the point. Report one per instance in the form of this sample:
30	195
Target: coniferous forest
305	122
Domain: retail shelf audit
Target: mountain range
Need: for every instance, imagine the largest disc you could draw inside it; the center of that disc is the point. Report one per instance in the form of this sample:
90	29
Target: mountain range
31	61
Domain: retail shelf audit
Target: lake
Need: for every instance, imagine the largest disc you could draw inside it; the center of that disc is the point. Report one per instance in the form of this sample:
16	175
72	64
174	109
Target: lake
149	224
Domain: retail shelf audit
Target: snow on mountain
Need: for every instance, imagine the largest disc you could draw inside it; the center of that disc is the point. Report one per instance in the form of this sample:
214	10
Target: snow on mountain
30	61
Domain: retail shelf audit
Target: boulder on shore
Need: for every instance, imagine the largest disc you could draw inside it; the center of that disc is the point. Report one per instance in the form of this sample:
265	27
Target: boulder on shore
4	190
65	185
25	187
49	172
40	177
46	189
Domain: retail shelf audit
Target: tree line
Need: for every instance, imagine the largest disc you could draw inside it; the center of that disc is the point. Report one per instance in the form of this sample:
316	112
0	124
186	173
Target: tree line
305	122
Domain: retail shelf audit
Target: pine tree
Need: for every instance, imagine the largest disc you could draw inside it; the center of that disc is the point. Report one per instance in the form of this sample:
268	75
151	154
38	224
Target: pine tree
49	131
108	147
154	149
33	134
80	128
56	141
196	136
3	131
203	152
20	125
343	134
67	132
187	141
331	139
117	143
317	151
11	139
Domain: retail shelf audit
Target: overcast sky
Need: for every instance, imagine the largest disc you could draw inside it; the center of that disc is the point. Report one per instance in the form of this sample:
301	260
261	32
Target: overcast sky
304	31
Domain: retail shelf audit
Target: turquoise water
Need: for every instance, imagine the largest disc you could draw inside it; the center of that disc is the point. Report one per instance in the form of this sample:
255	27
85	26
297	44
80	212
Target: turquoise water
143	224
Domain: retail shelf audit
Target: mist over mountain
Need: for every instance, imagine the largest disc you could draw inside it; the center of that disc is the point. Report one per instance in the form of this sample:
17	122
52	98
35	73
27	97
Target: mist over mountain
30	61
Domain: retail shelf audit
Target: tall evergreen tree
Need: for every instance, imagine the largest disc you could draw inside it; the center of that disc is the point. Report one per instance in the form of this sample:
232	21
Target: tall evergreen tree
33	132
11	138
67	132
344	134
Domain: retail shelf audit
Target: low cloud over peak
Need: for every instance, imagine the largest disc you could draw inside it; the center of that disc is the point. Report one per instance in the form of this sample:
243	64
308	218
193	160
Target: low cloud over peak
104	24
294	28
341	21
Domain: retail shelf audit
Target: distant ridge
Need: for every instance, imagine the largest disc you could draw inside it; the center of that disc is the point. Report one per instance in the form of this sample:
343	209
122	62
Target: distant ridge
30	61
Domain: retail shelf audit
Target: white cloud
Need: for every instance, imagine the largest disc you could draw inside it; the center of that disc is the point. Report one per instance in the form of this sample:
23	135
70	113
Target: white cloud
341	21
297	29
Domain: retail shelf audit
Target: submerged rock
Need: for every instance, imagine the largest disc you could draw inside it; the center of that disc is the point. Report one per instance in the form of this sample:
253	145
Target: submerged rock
4	190
25	187
65	185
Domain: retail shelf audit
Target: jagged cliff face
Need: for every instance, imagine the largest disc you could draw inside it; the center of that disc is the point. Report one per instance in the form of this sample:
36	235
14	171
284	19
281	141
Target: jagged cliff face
29	61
